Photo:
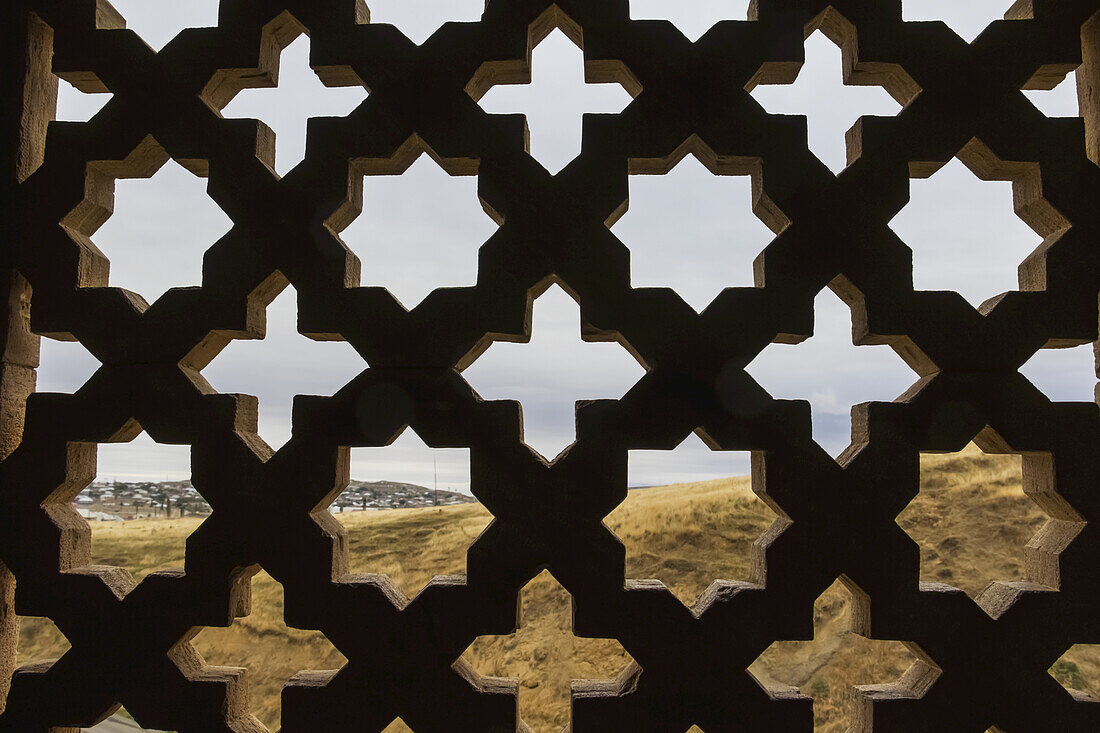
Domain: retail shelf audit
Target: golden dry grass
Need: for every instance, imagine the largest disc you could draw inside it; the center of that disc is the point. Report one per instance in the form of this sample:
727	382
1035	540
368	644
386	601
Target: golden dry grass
971	520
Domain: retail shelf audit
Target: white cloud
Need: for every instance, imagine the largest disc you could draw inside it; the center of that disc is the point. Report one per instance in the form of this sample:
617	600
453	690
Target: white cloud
828	370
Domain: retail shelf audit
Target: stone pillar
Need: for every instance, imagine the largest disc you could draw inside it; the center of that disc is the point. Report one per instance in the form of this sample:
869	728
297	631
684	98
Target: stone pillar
27	45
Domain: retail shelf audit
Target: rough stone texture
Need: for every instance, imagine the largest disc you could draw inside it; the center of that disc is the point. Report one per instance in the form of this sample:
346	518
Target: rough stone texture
980	666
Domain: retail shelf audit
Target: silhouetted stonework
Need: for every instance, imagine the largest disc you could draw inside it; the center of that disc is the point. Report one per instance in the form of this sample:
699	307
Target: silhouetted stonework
130	643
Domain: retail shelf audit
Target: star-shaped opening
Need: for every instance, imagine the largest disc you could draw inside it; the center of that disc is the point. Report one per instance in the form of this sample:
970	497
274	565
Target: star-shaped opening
560	90
140	508
552	370
1065	374
281	365
939	223
831	373
691	518
294	95
143	479
545	655
843	667
161	223
40	643
159	21
693	231
831	104
270	651
967	19
74	105
419	19
420	230
1054	95
408	512
64	366
693	17
1078	670
122	720
977	528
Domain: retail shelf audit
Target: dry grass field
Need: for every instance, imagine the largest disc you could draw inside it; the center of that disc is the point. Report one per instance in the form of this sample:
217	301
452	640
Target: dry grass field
971	520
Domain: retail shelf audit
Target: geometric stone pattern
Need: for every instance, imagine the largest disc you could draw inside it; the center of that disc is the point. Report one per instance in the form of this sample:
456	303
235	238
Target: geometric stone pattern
130	643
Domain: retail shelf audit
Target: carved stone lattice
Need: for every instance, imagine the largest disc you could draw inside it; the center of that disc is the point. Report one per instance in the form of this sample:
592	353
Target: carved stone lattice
130	643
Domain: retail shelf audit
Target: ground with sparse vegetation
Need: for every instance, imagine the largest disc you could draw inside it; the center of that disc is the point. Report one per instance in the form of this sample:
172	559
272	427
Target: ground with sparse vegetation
971	520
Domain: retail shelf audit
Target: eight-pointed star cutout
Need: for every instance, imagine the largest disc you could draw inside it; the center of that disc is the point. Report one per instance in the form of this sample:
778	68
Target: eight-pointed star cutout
419	231
159	21
283	364
64	366
964	234
692	231
968	19
1064	375
693	17
410	460
74	105
556	100
545	654
287	108
831	372
129	485
693	554
1061	101
419	19
159	230
977	528
553	371
831	107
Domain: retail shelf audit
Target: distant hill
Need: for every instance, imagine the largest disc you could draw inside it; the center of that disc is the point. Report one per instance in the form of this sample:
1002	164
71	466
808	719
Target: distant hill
152	499
395	495
971	520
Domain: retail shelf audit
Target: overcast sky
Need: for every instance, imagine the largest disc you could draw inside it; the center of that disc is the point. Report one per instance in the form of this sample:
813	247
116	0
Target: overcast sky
162	226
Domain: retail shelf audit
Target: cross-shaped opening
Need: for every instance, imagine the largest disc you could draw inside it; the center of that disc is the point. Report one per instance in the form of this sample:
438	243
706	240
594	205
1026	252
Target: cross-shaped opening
420	230
968	19
281	365
690	518
831	107
693	231
555	100
267	648
419	19
552	371
693	17
844	666
831	373
298	95
545	655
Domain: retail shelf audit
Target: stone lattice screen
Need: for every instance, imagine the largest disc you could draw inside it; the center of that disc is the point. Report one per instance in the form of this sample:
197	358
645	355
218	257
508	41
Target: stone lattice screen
981	666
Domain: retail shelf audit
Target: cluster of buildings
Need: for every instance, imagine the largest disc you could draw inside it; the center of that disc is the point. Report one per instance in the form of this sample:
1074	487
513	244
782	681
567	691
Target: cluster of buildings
114	501
118	500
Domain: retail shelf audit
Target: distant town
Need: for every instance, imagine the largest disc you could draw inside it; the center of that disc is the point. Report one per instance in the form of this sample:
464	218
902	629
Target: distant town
115	501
